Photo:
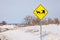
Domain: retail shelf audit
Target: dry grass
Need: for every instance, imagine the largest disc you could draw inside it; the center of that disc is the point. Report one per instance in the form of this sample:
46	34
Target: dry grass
32	30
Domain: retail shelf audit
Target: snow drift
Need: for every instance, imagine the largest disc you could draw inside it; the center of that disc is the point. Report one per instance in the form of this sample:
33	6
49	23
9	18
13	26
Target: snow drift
49	32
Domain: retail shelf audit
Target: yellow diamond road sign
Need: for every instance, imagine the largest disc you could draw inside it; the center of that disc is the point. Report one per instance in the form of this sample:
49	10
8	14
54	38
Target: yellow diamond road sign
40	12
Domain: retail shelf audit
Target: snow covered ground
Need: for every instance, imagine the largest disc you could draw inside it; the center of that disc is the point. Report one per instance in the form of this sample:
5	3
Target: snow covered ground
49	32
7	26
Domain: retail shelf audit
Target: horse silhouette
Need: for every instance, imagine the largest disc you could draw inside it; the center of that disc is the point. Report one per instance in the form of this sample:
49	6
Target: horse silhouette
38	11
43	11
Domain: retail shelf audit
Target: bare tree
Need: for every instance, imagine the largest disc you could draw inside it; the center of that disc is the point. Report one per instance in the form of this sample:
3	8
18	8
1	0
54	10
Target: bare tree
28	20
4	22
56	21
31	20
50	21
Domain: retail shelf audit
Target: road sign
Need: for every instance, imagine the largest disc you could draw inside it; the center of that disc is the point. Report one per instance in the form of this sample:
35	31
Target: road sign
40	12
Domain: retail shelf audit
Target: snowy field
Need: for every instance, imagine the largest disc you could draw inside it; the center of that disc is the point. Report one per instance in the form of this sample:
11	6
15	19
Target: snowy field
49	32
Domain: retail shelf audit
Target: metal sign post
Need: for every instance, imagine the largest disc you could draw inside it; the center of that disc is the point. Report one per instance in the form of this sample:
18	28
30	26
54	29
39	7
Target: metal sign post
41	30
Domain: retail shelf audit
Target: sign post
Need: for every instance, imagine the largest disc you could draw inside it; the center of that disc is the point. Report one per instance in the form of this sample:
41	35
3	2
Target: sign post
40	12
40	30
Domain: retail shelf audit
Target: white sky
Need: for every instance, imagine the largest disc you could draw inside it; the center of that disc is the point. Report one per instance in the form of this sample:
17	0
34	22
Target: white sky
13	11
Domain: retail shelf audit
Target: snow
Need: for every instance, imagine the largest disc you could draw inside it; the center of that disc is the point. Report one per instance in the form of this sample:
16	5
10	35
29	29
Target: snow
49	32
52	32
7	26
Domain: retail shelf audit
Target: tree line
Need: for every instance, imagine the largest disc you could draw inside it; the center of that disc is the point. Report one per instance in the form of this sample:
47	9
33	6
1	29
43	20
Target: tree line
31	20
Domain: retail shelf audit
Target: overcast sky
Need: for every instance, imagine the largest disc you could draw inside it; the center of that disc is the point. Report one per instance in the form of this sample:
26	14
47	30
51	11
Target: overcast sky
13	11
